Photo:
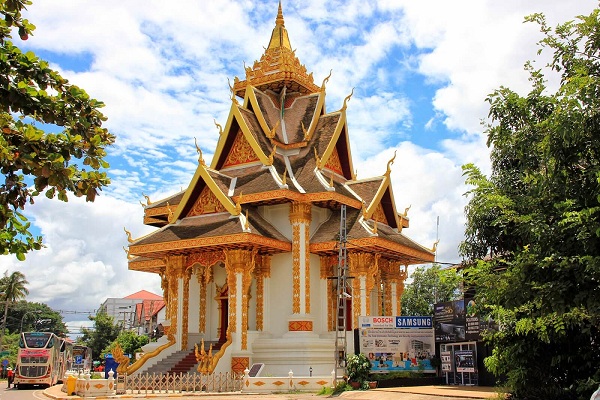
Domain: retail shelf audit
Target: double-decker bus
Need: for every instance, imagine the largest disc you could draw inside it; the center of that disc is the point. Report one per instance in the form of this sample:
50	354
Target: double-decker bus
66	358
38	360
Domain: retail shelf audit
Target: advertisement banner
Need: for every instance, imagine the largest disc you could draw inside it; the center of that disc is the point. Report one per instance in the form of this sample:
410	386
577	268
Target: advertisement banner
396	346
449	320
464	360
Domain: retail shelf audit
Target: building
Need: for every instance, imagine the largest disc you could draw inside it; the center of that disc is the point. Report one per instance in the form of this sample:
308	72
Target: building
130	311
245	253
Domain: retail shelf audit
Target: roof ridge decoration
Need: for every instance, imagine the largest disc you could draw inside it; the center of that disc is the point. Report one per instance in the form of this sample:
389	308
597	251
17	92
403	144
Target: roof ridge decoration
278	67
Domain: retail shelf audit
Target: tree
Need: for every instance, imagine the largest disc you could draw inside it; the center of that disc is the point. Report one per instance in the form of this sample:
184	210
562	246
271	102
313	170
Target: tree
129	341
430	285
533	227
35	317
12	288
32	94
104	332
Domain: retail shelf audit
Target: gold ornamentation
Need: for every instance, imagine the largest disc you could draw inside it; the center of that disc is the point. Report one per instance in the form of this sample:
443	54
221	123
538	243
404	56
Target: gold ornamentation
326	80
129	257
300	326
346	100
171	214
207	203
148	202
271	133
284	177
200	158
129	238
205	259
208	361
200	277
363	210
333	162
317	158
379	214
241	152
300	212
219	127
306	134
389	164
296	268
239	364
434	248
307	267
121	358
186	309
272	155
238	204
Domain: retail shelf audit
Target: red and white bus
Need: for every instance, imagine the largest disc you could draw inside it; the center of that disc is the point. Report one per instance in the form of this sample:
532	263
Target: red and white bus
38	360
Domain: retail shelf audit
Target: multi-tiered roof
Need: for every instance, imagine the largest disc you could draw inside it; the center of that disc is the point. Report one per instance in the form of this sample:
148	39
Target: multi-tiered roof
279	145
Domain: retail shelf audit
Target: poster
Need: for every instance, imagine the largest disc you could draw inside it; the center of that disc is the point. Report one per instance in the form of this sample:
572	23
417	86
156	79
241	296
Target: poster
450	321
446	358
409	347
464	360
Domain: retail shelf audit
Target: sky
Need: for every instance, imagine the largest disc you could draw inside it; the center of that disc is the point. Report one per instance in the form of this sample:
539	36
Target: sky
421	71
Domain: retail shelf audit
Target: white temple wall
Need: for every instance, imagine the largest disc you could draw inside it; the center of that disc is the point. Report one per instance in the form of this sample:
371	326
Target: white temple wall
279	217
279	302
194	305
252	307
318	216
317	296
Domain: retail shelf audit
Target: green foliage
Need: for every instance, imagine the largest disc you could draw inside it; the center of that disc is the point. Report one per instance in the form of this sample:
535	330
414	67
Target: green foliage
533	227
358	367
34	316
104	332
429	286
32	94
129	341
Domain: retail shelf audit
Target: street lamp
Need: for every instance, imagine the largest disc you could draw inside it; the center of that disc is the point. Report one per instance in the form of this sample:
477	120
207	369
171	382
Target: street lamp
24	315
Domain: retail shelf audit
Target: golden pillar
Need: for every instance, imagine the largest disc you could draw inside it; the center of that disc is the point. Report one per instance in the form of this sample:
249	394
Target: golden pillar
364	268
300	217
262	271
175	271
239	265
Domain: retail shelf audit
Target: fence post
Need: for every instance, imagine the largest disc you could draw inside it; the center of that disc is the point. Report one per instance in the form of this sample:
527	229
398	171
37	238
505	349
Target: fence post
291	380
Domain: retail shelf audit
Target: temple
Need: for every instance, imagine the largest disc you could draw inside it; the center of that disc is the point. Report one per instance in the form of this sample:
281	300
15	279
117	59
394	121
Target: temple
246	253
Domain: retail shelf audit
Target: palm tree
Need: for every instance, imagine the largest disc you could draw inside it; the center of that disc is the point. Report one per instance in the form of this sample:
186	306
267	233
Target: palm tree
12	288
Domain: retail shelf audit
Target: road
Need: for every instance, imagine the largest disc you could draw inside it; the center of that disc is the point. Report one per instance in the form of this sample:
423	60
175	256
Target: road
25	394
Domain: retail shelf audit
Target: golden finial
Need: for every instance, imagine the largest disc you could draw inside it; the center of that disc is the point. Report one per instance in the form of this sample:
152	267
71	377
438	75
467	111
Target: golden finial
306	137
129	257
331	180
284	178
347	99
317	158
434	248
374	226
364	210
271	133
143	205
171	214
200	158
238	204
233	98
326	80
389	164
148	202
272	154
406	211
247	223
218	126
279	19
129	238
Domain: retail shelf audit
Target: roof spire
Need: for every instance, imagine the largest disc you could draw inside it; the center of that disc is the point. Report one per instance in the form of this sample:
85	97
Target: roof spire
279	19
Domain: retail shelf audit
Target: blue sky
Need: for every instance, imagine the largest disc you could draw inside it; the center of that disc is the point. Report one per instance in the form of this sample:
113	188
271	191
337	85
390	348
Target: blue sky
421	71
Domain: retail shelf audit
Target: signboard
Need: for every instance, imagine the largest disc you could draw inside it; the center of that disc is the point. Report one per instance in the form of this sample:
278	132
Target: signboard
464	360
397	343
446	358
450	321
78	360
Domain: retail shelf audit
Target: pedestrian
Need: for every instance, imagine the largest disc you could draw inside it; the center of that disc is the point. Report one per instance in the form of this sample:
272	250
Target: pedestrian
10	374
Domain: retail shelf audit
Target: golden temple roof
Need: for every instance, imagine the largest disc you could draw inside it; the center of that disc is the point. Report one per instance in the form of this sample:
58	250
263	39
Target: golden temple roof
278	68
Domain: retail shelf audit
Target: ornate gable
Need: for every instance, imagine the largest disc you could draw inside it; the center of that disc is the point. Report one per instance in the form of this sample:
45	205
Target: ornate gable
241	152
206	203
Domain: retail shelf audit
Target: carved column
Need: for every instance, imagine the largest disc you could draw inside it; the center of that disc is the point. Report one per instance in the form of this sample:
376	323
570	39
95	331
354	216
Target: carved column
186	308
402	275
364	268
239	265
300	217
175	270
328	267
262	271
388	281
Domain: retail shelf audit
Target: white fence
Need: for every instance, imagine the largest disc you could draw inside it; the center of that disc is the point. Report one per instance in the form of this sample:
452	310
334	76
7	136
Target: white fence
180	383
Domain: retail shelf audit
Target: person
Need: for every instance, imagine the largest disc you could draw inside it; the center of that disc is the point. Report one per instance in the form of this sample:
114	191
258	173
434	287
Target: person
10	374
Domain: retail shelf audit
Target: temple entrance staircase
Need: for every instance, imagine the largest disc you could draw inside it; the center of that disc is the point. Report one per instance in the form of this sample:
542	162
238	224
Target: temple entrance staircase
181	362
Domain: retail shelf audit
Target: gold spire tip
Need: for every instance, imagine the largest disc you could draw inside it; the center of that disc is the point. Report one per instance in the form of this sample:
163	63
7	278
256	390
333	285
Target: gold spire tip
279	19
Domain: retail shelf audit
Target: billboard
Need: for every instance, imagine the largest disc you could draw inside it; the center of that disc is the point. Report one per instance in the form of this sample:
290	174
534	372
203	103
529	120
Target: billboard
397	343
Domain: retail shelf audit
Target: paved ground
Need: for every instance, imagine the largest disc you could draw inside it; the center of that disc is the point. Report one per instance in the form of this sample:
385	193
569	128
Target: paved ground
406	393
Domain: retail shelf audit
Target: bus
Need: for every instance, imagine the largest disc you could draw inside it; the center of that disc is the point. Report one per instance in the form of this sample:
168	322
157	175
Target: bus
66	358
82	358
38	359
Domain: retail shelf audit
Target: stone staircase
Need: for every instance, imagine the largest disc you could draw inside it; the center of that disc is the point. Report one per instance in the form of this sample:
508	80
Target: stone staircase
182	361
